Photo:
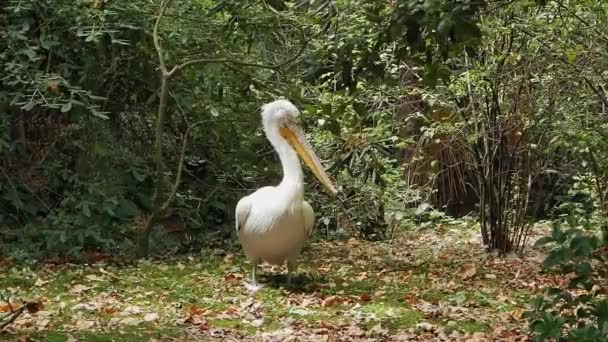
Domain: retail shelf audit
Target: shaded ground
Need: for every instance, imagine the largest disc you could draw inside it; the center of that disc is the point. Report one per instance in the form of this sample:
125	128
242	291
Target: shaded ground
436	285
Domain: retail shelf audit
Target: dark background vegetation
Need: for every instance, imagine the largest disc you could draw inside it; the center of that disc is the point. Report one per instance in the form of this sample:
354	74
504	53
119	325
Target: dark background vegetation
424	112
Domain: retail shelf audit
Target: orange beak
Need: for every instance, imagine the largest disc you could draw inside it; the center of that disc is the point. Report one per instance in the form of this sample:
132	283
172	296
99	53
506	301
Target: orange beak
295	137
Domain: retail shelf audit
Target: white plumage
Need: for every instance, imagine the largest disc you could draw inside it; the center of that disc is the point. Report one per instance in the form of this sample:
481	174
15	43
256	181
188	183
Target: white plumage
274	222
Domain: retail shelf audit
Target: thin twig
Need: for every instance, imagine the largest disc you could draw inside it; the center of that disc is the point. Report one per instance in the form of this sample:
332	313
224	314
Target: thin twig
180	166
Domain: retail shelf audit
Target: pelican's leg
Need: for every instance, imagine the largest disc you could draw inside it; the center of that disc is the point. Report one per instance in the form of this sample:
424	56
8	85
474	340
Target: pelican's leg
253	286
291	267
254	273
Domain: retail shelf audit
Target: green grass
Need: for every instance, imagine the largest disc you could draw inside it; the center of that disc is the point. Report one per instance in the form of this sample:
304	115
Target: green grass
213	284
122	335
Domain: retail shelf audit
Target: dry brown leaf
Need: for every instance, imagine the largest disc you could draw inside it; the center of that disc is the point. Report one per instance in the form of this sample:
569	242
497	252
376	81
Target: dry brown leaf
43	323
6	262
39	282
354	331
83	324
327	325
233	277
365	298
467	271
78	289
517	314
410	299
198	311
331	300
110	310
34	306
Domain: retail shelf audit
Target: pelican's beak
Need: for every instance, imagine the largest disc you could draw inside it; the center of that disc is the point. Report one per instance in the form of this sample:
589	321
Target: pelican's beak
294	135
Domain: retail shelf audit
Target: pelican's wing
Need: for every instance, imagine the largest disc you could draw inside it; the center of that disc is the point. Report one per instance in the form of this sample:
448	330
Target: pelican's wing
242	212
309	218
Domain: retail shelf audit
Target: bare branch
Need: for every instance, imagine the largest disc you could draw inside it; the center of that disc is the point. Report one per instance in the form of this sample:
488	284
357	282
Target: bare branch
155	35
180	166
12	317
9	318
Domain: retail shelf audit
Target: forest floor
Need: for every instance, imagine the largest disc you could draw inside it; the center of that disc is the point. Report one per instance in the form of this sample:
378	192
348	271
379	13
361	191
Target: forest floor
425	285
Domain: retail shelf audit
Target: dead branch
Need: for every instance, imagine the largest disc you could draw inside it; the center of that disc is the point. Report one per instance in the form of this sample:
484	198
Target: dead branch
8	319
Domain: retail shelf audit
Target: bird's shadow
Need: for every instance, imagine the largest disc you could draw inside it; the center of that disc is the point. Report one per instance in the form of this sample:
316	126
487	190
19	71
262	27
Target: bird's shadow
300	283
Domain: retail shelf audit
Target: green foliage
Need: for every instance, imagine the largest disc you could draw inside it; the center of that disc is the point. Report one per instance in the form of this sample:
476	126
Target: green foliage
383	86
579	312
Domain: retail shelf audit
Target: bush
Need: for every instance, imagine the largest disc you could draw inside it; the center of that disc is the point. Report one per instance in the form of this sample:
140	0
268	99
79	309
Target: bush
579	312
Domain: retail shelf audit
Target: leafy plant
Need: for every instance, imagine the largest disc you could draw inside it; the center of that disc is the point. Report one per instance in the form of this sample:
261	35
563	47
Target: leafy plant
579	311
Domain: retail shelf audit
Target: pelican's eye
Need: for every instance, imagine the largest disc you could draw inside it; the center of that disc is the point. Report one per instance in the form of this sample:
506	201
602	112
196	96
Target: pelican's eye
296	121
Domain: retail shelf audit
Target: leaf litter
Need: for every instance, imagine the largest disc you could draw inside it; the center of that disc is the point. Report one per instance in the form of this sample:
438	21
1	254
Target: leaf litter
421	286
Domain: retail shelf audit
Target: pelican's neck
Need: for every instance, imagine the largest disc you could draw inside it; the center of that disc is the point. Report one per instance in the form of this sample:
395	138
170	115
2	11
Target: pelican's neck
293	176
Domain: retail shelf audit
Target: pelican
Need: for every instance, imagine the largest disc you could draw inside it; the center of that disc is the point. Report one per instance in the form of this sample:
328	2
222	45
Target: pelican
273	223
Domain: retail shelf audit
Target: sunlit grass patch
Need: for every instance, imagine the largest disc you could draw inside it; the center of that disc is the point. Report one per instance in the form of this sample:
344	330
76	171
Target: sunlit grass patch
392	315
389	292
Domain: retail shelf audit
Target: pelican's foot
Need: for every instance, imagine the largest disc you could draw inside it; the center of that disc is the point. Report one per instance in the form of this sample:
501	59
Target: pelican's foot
253	287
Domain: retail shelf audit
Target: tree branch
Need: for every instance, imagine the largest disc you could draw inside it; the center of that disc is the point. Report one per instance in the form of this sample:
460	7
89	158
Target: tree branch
181	66
597	91
12	316
155	35
9	318
180	166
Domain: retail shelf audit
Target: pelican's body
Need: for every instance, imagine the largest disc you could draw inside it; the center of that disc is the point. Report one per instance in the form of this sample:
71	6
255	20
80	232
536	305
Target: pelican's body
277	217
274	222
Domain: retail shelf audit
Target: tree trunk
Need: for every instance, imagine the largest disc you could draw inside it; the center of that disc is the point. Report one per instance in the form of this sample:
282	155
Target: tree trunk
143	244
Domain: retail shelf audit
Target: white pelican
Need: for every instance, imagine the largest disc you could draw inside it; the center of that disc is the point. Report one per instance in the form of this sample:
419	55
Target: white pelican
273	223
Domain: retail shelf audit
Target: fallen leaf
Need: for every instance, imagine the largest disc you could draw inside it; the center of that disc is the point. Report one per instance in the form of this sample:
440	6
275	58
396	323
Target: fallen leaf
478	337
365	297
39	282
257	322
6	262
301	312
426	326
197	311
131	321
354	331
517	314
233	277
378	330
132	309
34	306
327	325
78	289
331	300
83	324
410	299
83	307
110	310
151	317
93	277
43	323
467	271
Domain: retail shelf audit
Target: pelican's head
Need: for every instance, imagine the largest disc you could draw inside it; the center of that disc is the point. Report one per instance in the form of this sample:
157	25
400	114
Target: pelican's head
281	117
